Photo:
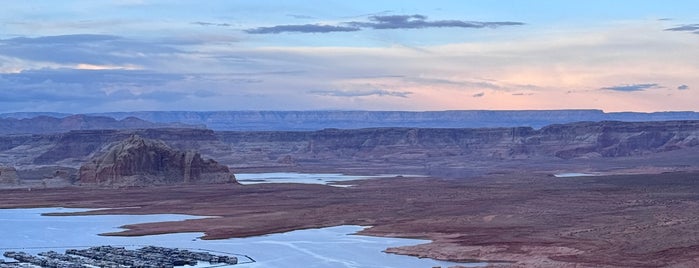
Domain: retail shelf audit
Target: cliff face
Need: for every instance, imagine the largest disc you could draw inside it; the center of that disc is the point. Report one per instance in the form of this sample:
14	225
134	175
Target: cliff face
399	147
75	146
568	141
139	161
617	139
8	176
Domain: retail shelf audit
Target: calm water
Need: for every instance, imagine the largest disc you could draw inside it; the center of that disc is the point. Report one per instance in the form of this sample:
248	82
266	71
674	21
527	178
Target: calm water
573	174
327	247
306	178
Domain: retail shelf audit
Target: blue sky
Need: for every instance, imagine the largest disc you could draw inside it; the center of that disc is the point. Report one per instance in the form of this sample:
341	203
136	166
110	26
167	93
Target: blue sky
129	55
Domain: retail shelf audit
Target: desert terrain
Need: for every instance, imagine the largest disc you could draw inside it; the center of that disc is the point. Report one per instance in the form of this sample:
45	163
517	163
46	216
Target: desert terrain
483	194
527	220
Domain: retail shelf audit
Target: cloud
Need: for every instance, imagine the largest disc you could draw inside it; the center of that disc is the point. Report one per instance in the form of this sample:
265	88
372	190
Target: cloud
478	95
361	93
631	87
84	90
420	21
685	28
300	17
683	87
473	83
693	28
416	21
84	49
368	14
204	23
61	39
88	77
305	28
83	66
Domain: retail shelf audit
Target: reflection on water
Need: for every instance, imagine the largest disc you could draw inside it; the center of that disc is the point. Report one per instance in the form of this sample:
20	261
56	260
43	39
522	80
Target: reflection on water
325	247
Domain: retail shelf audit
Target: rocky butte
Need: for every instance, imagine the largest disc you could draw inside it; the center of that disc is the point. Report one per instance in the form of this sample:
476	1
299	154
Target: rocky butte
137	161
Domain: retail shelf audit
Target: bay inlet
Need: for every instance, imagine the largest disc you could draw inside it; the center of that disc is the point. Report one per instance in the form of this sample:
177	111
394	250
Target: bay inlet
28	230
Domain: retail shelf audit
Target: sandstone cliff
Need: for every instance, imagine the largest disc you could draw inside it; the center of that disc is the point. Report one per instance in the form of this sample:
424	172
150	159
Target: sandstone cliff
138	161
74	148
8	176
568	141
390	149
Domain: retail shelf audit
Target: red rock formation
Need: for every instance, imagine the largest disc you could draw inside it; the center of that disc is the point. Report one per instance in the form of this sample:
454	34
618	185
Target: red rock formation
142	162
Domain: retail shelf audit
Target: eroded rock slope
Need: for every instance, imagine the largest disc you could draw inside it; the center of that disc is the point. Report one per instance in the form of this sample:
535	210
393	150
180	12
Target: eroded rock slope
138	161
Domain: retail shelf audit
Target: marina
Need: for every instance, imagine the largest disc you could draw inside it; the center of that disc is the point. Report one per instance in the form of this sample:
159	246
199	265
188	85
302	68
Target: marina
118	257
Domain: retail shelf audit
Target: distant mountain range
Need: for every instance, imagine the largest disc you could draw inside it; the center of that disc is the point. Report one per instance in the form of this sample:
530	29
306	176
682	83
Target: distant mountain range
43	124
315	120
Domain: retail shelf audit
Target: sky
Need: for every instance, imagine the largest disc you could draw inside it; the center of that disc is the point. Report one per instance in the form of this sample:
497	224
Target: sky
87	56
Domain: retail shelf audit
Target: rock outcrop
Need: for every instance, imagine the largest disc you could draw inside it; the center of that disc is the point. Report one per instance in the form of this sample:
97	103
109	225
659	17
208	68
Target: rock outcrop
138	161
8	176
75	147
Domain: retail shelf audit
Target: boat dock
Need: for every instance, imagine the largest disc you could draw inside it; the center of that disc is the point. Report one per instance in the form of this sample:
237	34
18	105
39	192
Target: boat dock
118	257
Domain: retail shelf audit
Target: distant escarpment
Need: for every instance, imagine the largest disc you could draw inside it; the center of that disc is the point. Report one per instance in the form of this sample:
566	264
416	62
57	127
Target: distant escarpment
317	120
47	124
389	150
137	161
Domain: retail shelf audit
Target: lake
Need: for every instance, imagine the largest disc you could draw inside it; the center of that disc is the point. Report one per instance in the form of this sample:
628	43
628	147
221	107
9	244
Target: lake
573	174
306	178
315	248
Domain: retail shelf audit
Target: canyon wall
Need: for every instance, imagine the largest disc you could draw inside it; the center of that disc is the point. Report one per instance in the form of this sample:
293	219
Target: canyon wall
389	147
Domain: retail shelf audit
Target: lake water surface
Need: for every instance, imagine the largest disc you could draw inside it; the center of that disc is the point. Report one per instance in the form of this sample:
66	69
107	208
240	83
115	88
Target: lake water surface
573	174
306	178
320	248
